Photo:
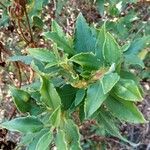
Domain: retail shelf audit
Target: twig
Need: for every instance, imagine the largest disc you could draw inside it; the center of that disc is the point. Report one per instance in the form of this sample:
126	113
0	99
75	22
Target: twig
23	36
24	25
31	75
30	31
19	74
26	77
12	114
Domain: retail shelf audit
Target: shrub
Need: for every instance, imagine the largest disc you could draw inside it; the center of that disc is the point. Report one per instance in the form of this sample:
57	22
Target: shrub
83	75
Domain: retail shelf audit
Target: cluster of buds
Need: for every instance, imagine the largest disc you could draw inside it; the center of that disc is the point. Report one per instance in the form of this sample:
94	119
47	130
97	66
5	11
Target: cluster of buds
16	10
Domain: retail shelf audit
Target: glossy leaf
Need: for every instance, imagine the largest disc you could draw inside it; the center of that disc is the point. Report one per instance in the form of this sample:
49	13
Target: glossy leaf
79	96
44	141
43	55
100	42
124	110
36	138
23	124
100	6
35	108
26	139
56	28
127	90
25	59
133	60
109	81
41	69
95	97
49	94
108	122
111	50
35	7
55	117
60	41
52	64
67	94
60	141
21	99
37	22
137	45
87	60
72	135
84	39
132	76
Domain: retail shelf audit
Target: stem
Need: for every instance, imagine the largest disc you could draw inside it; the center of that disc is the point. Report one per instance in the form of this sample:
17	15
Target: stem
12	114
19	74
26	77
30	31
24	25
19	26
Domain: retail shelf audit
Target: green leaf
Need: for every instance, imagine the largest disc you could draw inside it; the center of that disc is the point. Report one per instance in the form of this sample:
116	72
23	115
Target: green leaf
35	109
43	54
23	124
55	117
127	89
72	135
59	6
108	81
21	99
86	60
56	28
124	110
36	7
40	68
111	50
25	59
37	22
100	42
137	45
24	102
79	96
49	94
67	94
61	42
4	20
36	138
84	39
95	97
44	141
20	94
52	64
132	76
100	6
26	139
108	122
81	112
60	141
133	60
128	75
